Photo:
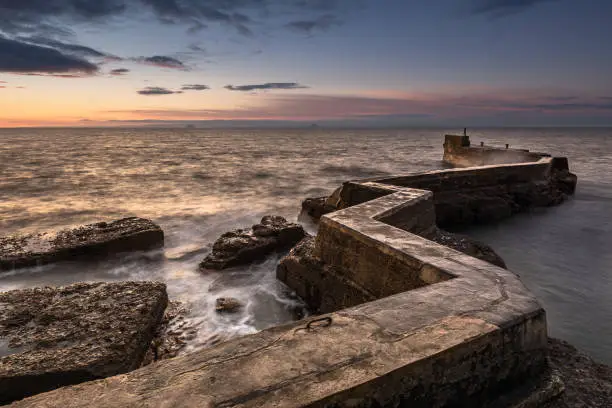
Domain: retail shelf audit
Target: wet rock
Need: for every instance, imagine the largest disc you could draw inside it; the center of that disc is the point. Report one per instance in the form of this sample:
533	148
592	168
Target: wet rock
51	337
172	334
467	245
93	240
244	246
588	384
317	207
228	305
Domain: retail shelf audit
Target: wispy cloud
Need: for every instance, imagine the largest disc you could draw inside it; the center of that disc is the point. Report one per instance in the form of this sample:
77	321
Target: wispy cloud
119	71
266	86
156	90
321	23
162	61
195	87
500	8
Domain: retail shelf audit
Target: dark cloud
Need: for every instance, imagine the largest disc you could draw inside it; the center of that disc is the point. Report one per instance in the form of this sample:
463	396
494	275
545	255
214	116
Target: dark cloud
322	23
499	8
268	85
119	71
67	48
156	90
162	61
195	87
197	48
24	58
36	16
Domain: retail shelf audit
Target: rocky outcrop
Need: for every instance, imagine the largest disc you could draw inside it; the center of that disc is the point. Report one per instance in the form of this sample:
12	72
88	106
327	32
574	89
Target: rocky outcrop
228	305
93	240
467	245
243	246
172	334
51	337
317	207
588	384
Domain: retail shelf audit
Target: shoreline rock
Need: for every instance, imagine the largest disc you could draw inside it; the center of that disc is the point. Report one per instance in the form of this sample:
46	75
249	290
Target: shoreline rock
244	246
52	337
588	384
228	305
467	245
172	334
93	240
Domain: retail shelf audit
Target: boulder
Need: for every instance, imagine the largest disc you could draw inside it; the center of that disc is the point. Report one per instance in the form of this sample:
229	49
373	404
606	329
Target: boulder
316	207
228	305
244	246
93	240
52	337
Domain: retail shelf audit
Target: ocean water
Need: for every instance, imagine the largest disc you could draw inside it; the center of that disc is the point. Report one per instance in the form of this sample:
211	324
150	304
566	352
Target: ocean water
200	183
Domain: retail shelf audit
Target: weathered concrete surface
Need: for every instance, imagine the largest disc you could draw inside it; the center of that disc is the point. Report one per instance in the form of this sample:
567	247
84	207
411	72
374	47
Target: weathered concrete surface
50	337
93	240
243	246
359	360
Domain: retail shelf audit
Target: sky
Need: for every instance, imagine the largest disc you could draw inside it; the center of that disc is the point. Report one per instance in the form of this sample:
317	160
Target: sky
303	62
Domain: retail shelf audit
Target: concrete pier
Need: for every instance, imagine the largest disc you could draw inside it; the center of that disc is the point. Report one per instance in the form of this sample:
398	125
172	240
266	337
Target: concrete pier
438	329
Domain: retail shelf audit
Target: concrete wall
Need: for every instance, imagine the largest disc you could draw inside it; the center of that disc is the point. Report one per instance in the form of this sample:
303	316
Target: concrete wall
459	152
474	195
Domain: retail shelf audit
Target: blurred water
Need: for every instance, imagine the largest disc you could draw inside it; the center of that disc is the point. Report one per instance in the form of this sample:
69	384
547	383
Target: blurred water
198	184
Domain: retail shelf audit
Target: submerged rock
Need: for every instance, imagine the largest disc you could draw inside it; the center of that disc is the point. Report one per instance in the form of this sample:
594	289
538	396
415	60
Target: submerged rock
93	240
52	337
243	246
227	305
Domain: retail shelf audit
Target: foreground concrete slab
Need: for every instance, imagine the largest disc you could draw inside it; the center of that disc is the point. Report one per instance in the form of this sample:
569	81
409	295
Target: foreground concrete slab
93	240
51	337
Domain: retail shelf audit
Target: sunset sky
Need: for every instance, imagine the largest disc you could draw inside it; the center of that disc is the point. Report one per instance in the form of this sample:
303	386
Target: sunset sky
336	62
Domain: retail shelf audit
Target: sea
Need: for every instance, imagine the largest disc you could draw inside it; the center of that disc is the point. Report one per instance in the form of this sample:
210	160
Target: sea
199	183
